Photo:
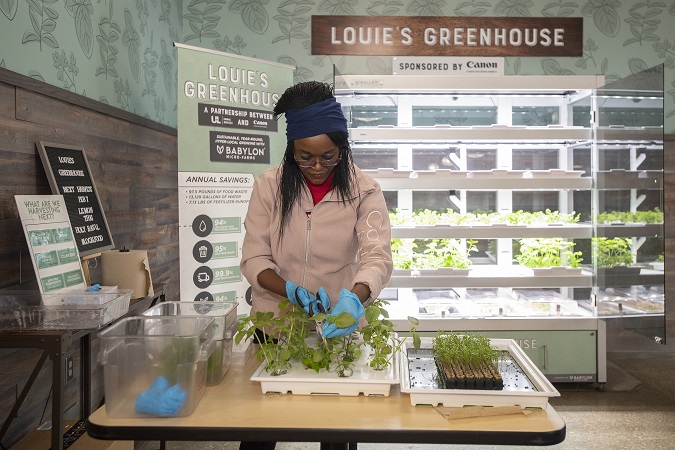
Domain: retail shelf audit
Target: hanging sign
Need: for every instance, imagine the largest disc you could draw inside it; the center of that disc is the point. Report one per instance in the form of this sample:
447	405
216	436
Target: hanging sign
447	36
69	175
50	242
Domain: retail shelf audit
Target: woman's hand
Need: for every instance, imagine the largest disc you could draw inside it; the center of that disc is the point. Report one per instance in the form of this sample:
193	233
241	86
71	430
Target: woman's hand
347	302
301	297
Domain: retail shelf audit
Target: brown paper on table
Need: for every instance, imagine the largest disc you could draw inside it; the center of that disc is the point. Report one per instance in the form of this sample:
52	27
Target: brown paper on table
465	412
127	270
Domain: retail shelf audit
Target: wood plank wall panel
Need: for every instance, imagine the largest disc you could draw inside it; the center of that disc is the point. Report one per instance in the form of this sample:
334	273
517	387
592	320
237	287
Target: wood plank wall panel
669	232
40	109
134	165
7	100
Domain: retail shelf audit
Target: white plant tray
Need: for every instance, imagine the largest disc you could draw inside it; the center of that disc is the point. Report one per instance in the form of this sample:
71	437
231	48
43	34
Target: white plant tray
442	173
444	272
553	173
301	381
532	392
388	173
560	271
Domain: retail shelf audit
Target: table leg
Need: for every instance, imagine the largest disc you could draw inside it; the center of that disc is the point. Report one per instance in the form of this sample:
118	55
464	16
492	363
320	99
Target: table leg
58	388
85	374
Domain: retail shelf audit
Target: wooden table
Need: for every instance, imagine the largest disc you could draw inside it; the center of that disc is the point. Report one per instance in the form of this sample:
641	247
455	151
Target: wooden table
237	410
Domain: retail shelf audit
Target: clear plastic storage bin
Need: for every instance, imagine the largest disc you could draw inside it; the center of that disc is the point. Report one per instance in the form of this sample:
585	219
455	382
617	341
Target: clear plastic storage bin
224	327
78	309
155	366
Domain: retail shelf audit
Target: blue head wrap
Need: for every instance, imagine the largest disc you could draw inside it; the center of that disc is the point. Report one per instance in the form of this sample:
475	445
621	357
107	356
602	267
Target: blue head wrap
316	119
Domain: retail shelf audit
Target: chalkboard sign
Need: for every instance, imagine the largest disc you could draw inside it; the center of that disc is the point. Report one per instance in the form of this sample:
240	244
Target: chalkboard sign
69	175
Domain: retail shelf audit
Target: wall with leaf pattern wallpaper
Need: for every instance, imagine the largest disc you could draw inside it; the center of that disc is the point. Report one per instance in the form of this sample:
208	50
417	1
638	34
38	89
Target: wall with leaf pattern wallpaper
120	52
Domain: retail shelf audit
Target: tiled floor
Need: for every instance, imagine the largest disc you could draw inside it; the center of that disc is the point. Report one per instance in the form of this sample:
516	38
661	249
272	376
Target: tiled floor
635	411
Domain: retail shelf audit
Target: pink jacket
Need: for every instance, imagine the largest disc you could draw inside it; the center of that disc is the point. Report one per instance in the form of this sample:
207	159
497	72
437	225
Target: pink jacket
342	244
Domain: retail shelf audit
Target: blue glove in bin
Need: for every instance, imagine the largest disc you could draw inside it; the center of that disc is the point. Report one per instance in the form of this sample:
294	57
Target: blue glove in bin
160	399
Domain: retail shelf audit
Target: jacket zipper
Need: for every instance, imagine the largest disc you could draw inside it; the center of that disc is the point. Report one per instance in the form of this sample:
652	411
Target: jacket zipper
309	229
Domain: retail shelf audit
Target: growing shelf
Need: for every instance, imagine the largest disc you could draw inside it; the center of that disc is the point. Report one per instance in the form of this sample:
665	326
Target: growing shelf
568	231
449	152
488	277
486	180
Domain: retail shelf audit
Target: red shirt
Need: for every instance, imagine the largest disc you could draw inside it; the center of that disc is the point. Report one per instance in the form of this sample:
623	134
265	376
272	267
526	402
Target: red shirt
319	191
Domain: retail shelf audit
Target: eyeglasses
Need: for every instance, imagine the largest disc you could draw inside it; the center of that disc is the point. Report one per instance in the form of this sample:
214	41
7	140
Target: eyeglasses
312	162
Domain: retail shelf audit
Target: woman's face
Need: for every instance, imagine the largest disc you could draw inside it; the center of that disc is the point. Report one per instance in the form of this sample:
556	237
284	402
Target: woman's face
316	156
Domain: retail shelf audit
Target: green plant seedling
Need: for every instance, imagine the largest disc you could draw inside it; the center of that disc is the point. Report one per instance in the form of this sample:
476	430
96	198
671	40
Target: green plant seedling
547	252
466	360
379	335
612	252
288	339
286	334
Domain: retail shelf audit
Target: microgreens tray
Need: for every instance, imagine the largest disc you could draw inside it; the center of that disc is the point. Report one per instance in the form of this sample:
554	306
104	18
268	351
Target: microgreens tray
524	384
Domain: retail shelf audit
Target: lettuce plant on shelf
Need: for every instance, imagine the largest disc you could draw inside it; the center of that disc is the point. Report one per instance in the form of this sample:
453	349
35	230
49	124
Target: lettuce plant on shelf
429	217
403	253
426	217
548	252
451	253
432	253
612	252
650	216
401	217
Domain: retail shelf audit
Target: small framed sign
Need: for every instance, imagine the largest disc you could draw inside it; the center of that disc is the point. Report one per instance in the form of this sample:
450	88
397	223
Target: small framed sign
50	240
69	175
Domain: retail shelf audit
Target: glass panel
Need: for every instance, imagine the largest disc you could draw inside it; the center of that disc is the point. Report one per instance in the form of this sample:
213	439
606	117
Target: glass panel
434	158
375	158
535	201
535	158
628	244
481	159
373	115
535	116
459	117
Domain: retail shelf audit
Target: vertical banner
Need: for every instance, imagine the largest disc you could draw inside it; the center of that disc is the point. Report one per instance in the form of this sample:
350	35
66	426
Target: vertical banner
226	136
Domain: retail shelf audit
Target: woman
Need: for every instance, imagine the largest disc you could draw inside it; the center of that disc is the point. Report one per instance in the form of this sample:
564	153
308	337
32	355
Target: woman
316	223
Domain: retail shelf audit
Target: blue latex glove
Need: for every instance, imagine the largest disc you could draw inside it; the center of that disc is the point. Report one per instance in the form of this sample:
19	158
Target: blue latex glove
347	302
300	296
160	399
